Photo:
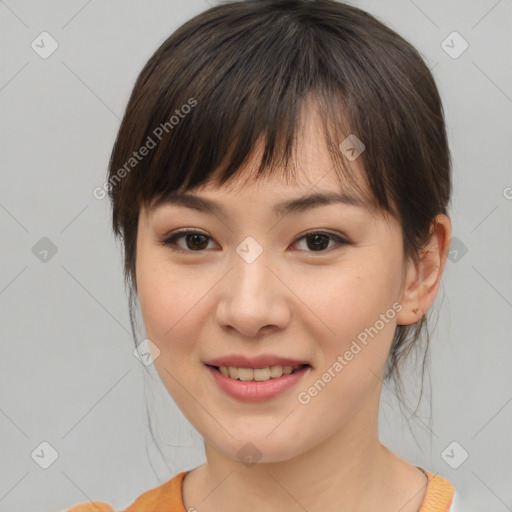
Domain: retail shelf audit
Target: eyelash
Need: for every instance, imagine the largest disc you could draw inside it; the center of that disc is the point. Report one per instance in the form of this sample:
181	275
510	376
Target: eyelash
171	241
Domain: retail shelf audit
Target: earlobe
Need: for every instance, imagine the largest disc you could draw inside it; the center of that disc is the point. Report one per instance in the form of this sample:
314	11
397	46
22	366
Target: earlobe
423	278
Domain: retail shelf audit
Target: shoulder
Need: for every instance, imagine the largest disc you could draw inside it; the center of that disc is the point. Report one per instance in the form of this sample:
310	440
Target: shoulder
439	494
166	495
91	506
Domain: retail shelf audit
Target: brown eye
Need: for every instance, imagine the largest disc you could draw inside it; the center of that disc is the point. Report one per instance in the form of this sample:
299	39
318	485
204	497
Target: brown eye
194	241
318	241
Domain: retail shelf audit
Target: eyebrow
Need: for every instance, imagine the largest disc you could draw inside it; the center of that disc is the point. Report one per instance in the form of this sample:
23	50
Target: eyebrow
283	208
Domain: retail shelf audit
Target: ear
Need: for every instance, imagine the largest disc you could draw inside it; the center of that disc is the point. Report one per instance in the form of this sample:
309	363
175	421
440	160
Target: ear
422	279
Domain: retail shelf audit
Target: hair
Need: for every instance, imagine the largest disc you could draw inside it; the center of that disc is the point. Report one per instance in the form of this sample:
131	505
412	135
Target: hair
244	71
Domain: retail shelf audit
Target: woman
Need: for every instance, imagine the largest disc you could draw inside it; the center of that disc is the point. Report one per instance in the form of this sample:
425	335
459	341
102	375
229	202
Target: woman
280	182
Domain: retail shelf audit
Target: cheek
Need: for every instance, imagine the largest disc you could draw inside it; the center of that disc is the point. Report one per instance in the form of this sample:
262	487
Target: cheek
352	338
170	310
355	305
169	299
349	298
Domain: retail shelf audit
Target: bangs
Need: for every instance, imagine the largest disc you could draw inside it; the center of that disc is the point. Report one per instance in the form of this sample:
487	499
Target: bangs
274	146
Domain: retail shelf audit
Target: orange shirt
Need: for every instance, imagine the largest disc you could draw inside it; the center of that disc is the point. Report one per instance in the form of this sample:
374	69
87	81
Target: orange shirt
438	498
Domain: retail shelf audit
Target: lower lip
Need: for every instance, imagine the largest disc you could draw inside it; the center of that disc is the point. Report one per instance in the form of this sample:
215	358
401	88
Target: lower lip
254	391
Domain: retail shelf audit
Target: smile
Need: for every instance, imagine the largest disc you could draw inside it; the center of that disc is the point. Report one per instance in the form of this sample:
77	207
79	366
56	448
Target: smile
257	384
258	374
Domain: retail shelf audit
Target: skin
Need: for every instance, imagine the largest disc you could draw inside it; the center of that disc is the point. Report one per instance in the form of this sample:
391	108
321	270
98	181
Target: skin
293	301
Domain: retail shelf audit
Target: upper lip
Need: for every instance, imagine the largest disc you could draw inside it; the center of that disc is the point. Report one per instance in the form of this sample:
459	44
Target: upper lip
261	361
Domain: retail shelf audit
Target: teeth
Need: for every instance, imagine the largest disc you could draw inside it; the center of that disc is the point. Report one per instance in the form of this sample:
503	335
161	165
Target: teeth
257	374
245	373
262	374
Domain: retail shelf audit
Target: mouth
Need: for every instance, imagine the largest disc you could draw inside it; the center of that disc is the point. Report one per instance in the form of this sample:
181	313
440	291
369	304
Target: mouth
258	374
257	384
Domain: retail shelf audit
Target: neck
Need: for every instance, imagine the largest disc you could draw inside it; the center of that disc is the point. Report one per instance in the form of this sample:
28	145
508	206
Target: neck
350	471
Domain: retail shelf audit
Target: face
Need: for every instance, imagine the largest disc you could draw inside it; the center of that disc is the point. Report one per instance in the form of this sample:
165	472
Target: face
320	285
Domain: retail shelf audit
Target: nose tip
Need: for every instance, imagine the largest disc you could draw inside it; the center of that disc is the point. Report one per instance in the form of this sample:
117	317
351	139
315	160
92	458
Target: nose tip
253	301
250	329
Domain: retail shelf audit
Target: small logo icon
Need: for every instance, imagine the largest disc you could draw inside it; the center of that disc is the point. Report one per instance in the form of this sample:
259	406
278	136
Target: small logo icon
146	352
249	454
249	249
352	147
457	250
454	455
44	455
454	45
44	45
44	250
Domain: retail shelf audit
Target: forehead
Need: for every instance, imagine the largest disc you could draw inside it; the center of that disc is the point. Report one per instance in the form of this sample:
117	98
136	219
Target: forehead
312	160
314	167
274	195
311	168
285	191
307	179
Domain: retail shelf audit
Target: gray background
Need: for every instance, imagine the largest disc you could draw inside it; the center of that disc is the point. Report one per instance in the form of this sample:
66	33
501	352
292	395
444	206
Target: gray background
69	376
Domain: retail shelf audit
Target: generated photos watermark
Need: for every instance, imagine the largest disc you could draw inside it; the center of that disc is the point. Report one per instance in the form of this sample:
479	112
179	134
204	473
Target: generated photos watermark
305	397
151	143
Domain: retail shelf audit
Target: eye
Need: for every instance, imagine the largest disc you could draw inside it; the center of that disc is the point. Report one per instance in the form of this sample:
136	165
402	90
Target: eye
319	240
196	241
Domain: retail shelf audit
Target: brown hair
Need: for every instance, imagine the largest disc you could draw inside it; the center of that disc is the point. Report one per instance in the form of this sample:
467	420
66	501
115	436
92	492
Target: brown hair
244	70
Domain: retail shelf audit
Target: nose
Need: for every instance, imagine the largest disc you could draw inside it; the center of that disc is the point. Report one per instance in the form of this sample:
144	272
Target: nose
254	300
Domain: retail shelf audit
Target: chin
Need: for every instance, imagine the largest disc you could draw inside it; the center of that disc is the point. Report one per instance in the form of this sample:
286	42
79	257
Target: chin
253	451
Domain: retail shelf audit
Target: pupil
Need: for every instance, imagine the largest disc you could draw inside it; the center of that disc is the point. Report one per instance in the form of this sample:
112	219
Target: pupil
195	237
316	238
